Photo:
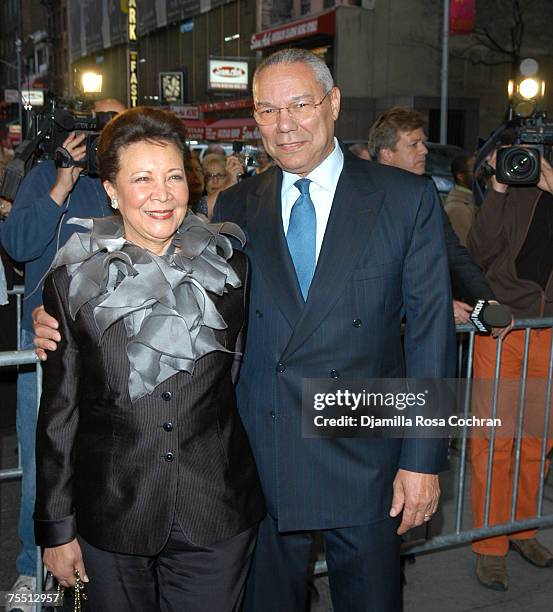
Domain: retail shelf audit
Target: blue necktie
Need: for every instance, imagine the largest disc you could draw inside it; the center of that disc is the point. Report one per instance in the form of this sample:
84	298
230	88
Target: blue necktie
301	236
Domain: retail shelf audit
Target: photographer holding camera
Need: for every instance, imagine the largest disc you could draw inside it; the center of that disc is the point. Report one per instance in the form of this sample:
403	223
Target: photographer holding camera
37	227
512	239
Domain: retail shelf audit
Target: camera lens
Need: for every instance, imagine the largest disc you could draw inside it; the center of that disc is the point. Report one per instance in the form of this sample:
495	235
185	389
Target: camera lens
520	164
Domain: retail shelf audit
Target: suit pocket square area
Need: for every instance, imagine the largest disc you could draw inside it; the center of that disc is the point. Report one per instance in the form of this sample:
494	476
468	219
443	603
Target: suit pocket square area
382	268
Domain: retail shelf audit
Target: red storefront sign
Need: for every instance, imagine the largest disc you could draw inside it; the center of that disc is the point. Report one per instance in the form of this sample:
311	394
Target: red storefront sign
462	15
210	107
186	112
195	130
325	23
233	129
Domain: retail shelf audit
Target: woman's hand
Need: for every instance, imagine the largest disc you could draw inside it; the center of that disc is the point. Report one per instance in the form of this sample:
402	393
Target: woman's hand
62	561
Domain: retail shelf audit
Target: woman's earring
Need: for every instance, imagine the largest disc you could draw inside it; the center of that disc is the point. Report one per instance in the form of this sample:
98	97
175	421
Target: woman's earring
114	203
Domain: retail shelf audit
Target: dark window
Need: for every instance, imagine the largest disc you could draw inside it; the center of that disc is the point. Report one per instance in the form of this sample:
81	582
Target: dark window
455	126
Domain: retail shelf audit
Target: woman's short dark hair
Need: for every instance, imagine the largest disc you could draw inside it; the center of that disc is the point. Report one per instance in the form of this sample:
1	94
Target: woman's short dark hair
136	125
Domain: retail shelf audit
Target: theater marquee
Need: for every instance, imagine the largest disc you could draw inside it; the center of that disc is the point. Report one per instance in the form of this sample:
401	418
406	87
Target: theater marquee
227	74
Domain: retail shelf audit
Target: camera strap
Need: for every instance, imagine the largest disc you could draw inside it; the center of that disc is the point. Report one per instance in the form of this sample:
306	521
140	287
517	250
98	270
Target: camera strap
63	159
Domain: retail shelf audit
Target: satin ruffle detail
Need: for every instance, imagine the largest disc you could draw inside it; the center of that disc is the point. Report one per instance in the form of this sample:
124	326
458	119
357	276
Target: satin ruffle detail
164	302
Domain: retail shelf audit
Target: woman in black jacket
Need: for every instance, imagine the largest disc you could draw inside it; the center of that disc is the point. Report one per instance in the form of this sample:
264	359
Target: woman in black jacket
145	480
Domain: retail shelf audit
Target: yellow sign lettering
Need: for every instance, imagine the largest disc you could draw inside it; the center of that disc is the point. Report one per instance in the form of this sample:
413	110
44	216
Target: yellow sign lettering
133	79
132	20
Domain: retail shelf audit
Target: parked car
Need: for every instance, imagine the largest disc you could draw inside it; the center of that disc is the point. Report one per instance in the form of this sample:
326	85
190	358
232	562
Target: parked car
438	165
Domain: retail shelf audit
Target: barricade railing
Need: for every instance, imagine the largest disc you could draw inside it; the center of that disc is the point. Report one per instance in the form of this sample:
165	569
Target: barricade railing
19	358
17	291
461	533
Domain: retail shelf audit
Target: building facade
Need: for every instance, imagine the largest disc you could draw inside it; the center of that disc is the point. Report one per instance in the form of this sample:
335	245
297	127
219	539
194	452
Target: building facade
381	53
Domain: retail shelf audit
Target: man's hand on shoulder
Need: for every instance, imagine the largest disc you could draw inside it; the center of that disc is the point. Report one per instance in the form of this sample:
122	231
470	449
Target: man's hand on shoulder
46	332
417	495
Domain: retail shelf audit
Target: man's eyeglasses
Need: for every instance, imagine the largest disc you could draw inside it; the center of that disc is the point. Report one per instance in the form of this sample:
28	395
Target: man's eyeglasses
214	175
298	111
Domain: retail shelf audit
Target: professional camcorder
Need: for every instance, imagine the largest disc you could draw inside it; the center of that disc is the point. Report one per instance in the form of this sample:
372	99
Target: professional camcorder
520	164
49	129
59	124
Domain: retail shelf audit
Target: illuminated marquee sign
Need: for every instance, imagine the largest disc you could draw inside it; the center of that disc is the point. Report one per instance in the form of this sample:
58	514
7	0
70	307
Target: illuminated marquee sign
133	55
133	79
227	74
132	20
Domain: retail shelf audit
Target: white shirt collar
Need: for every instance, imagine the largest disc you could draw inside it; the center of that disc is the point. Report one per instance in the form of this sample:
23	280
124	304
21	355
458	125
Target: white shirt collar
325	175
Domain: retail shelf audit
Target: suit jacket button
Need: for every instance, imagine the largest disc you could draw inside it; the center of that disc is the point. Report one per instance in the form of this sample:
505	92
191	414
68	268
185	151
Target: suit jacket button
258	314
334	374
357	323
169	457
272	413
168	426
281	368
166	395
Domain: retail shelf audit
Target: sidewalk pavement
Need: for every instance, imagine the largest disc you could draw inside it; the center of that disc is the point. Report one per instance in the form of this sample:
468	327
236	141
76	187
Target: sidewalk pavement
445	581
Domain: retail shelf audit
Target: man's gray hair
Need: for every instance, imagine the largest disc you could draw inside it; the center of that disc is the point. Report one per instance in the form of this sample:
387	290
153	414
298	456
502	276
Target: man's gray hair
299	56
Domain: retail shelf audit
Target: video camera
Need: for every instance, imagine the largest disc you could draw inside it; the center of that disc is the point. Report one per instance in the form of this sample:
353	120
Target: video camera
57	127
520	165
49	129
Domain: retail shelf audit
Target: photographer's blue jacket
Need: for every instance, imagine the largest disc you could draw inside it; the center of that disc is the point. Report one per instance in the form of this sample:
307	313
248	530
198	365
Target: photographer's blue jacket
37	227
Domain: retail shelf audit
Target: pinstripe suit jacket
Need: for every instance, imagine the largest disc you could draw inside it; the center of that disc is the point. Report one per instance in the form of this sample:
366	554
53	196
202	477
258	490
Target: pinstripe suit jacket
103	463
383	256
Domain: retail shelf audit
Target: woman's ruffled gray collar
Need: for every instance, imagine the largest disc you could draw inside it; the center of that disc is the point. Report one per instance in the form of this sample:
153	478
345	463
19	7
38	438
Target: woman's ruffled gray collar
169	317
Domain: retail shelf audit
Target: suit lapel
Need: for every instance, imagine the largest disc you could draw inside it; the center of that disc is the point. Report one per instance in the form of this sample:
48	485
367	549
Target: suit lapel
268	243
354	210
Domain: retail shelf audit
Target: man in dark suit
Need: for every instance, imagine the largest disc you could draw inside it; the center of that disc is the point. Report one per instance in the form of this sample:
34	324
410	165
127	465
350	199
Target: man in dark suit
341	249
331	307
397	139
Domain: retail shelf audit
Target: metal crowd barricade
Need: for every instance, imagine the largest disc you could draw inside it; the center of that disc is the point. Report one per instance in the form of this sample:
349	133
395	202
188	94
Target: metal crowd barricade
17	291
459	535
462	534
19	358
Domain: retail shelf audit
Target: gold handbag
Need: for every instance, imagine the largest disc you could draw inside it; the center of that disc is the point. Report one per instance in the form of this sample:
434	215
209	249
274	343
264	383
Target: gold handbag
79	594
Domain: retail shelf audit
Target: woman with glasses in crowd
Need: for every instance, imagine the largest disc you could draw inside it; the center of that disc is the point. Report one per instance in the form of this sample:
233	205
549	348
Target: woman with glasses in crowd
220	173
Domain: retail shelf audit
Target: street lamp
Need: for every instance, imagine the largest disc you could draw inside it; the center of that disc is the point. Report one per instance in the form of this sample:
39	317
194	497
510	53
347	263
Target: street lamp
526	91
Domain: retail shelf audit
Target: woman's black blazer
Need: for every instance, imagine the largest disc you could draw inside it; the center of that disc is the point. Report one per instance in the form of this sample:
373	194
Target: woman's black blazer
119	473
